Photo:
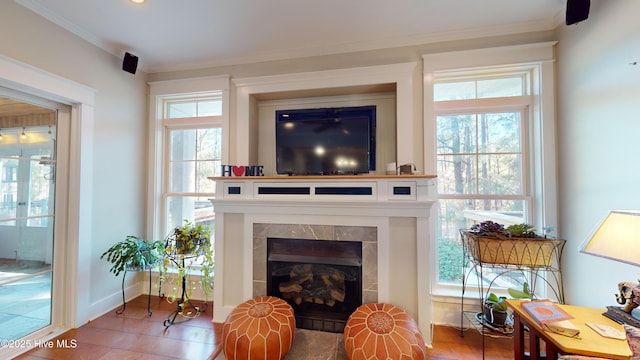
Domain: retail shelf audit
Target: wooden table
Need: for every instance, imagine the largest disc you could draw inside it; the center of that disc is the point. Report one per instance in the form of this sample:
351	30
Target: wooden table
590	343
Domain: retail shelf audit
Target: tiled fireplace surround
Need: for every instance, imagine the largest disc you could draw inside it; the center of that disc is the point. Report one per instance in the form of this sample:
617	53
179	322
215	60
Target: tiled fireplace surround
367	235
392	222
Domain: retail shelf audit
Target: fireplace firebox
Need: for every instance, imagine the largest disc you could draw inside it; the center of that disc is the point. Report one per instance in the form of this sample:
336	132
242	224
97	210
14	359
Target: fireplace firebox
320	279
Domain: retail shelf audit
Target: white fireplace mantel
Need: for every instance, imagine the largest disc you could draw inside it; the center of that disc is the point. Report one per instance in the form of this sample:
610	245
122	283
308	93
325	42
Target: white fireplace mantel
398	207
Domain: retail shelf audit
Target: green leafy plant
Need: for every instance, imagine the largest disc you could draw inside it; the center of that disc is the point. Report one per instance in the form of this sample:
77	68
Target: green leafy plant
497	303
451	259
134	253
189	238
523	293
490	228
522	230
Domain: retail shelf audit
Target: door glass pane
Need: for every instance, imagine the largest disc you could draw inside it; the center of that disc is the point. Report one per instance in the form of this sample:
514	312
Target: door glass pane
41	197
27	187
8	191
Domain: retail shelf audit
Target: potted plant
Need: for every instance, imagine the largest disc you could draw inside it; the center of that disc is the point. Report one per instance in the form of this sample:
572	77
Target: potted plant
495	310
519	244
189	239
188	247
134	253
522	230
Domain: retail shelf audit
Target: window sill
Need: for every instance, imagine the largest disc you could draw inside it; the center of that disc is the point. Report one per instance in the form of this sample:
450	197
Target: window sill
452	295
195	270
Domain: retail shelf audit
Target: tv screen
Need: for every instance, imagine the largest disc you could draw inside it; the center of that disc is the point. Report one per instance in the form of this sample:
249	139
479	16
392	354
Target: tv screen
326	141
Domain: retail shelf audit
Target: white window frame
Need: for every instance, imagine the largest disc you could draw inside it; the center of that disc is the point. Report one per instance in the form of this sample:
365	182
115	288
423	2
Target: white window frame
190	123
160	92
538	59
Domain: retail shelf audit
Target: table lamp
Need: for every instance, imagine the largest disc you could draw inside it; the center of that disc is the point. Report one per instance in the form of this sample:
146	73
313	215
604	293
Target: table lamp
617	238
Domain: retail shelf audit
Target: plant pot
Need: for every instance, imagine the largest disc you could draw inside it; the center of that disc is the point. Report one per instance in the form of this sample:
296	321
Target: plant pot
143	261
138	267
133	254
179	247
495	317
531	252
182	249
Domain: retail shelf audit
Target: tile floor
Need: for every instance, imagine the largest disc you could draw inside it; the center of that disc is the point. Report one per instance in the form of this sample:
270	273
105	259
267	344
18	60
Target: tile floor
313	345
25	298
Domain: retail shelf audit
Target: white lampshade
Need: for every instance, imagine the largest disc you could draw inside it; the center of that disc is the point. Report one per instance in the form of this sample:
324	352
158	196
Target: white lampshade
616	238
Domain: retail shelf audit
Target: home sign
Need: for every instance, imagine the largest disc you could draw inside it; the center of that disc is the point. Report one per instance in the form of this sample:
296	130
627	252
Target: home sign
239	170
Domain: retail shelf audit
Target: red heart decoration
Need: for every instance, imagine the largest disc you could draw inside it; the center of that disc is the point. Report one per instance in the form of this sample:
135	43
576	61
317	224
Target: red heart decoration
238	170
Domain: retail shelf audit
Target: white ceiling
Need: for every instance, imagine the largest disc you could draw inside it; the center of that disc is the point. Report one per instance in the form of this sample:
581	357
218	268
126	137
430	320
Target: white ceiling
171	35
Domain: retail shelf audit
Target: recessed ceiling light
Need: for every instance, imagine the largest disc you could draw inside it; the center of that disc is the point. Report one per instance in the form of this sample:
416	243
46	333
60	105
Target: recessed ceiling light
137	1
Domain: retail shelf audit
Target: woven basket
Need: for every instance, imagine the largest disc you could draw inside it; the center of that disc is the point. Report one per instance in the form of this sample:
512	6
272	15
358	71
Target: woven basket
531	252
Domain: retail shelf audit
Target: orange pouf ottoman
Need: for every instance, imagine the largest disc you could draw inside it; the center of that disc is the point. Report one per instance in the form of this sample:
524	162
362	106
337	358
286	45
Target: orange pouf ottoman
383	331
260	328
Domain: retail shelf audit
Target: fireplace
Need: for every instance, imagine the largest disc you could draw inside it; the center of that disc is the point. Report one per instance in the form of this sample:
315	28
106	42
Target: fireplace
391	225
320	279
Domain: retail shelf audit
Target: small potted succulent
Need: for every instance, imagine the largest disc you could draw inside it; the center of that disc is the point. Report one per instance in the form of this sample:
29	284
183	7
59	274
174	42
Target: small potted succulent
134	254
522	230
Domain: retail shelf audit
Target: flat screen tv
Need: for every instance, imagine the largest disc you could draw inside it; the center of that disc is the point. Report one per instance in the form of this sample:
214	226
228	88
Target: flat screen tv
326	141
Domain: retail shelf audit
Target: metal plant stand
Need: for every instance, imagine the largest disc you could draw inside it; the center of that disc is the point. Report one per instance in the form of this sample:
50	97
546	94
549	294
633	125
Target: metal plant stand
540	258
124	302
185	308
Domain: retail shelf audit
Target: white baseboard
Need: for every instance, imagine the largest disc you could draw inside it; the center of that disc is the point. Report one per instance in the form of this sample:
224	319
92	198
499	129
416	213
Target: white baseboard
113	301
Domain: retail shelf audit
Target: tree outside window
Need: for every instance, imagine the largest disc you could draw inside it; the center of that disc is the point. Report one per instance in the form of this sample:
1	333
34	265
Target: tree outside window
481	165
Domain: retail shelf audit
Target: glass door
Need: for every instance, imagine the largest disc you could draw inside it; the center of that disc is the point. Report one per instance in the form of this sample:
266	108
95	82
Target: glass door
27	190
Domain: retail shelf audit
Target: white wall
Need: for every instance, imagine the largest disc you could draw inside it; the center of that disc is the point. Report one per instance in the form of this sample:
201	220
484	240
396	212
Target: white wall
117	138
598	142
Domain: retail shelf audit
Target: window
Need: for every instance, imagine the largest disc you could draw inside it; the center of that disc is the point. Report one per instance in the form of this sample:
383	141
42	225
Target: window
188	122
489	137
193	138
482	165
